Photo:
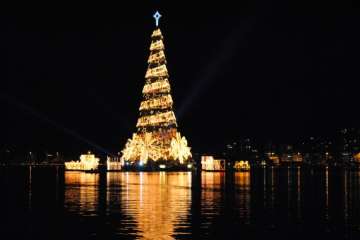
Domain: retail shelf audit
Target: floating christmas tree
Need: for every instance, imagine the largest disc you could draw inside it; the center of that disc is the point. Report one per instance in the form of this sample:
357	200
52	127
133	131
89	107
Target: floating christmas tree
157	137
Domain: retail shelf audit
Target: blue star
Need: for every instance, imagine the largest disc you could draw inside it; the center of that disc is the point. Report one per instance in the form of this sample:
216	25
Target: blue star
157	16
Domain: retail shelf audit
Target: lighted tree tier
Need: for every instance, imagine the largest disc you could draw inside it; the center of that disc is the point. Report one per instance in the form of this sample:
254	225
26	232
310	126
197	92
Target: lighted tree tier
157	137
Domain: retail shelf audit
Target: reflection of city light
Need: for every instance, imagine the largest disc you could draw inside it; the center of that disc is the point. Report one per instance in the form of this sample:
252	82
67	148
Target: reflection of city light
81	191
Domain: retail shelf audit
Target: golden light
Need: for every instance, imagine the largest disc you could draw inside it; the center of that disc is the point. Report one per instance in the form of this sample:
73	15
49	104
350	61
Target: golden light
357	157
242	165
209	163
87	162
155	214
114	163
81	190
161	86
157	137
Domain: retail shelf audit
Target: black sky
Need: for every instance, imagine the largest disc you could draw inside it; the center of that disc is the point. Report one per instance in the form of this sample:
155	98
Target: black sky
263	69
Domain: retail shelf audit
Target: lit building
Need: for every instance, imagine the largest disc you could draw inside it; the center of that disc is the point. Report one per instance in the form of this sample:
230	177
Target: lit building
209	163
349	144
316	150
243	148
242	165
114	163
87	162
287	158
273	158
157	138
297	157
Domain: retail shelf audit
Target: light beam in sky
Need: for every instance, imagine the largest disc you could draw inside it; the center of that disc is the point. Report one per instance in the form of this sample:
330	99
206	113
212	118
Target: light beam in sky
207	75
38	115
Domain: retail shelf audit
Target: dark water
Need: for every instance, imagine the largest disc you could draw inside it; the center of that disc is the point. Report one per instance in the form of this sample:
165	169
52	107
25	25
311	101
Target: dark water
284	203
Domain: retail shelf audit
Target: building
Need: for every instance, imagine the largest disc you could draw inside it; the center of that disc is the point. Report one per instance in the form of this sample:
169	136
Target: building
273	159
209	163
243	148
287	158
114	163
88	162
241	165
348	144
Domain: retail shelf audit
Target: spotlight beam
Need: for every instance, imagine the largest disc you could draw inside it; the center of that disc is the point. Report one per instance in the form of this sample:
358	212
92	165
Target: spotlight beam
12	101
208	74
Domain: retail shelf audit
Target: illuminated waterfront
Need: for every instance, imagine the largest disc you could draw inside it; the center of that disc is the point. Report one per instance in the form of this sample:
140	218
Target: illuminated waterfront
48	203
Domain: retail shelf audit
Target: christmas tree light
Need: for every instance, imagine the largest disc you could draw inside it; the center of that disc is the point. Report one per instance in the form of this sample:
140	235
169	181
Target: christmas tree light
157	137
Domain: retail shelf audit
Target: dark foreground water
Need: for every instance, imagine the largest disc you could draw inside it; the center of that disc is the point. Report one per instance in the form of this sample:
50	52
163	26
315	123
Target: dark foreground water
46	203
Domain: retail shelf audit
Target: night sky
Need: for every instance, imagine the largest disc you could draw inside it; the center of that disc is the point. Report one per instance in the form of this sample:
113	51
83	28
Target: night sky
72	77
